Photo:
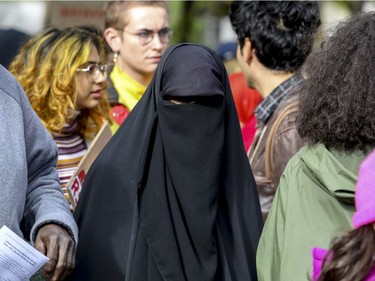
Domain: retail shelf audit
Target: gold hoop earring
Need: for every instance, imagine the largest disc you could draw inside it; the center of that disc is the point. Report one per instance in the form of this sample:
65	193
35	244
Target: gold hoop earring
115	56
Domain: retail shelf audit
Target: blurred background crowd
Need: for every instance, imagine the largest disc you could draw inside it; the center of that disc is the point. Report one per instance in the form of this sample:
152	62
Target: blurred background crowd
203	22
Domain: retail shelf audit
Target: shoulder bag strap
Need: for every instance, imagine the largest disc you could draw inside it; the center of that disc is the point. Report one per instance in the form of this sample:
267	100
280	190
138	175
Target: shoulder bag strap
293	107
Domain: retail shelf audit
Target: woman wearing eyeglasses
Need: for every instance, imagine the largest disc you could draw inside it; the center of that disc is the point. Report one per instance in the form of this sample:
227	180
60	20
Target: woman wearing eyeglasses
62	75
138	34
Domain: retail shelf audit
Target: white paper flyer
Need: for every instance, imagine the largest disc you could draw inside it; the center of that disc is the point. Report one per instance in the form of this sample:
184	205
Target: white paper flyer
18	259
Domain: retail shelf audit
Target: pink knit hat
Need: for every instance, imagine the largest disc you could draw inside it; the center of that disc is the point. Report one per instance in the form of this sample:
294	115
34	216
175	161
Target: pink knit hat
365	193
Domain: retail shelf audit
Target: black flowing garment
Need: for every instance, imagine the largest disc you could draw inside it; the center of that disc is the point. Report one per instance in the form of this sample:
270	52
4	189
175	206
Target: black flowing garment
172	196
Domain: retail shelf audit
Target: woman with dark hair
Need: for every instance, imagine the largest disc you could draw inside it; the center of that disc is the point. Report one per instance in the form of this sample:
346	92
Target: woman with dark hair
172	195
351	257
315	198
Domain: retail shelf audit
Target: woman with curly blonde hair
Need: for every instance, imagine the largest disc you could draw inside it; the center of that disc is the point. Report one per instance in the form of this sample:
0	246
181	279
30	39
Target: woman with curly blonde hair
62	75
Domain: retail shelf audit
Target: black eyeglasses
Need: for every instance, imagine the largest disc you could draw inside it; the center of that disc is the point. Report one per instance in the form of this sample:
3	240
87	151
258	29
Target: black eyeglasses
145	36
93	70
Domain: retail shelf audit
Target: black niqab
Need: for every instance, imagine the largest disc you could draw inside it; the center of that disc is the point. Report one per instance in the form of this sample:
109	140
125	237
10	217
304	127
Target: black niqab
172	196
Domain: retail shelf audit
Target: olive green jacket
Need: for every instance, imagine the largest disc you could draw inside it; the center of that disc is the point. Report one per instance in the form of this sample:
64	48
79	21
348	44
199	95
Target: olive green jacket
313	204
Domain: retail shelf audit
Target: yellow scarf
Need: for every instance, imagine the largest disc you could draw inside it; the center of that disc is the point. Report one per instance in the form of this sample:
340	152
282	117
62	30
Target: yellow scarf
129	90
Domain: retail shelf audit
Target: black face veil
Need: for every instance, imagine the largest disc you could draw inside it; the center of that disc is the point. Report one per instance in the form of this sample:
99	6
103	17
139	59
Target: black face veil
172	196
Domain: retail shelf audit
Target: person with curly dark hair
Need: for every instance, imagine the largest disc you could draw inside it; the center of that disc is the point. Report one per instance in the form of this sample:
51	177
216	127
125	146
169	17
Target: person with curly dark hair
315	198
275	38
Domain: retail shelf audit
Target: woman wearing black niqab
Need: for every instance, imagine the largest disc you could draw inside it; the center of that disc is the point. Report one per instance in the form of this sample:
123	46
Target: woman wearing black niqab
172	196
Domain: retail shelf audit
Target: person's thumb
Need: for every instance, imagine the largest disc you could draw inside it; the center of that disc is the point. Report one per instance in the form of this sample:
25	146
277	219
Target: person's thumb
39	245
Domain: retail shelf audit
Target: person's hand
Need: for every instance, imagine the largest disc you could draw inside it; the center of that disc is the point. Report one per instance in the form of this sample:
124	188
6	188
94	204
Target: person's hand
54	241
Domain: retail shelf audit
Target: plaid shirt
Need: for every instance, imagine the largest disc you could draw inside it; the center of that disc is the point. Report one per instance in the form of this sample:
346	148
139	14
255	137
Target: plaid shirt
269	105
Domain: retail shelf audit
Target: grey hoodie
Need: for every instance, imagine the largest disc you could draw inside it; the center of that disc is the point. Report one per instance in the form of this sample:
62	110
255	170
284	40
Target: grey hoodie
30	193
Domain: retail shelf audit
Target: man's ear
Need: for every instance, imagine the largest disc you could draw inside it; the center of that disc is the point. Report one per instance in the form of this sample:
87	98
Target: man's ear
112	36
248	52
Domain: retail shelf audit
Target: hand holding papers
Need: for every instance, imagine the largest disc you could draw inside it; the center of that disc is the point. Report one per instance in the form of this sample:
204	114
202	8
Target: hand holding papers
18	259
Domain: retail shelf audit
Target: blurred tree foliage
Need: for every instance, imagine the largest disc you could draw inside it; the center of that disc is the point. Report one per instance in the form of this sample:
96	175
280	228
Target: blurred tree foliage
187	18
352	6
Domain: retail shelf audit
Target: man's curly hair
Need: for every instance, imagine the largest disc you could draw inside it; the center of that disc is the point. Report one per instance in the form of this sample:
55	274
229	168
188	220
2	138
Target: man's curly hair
337	101
281	32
